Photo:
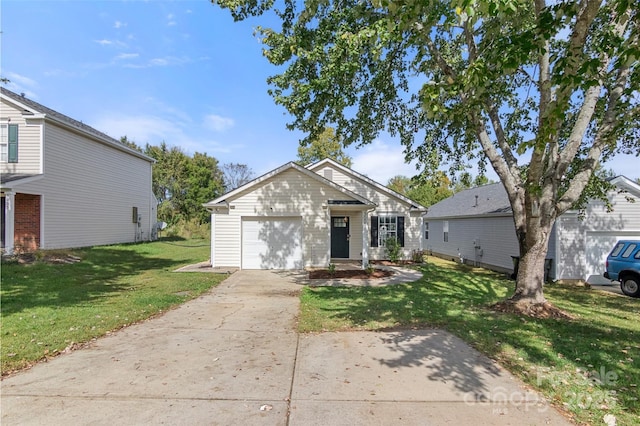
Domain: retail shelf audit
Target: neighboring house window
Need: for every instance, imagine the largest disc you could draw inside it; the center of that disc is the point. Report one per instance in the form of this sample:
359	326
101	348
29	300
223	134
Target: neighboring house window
383	227
4	140
9	143
426	230
445	229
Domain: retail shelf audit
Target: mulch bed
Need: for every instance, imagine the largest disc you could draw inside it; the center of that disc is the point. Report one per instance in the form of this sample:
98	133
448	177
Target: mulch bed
359	274
538	310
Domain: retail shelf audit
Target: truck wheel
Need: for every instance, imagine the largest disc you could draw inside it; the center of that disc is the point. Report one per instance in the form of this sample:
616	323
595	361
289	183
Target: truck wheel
630	286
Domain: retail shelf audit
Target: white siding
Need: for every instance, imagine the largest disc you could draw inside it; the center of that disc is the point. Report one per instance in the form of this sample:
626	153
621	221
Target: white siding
29	142
88	192
584	244
226	242
287	194
386	205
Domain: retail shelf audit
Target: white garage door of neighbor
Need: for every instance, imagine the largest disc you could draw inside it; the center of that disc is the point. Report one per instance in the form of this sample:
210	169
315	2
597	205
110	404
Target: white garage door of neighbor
272	243
598	247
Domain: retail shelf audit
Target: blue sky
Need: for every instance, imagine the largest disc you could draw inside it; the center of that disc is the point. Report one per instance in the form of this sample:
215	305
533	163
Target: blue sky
176	71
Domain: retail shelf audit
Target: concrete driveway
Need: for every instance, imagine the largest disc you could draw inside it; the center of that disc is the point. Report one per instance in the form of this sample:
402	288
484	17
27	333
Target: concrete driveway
233	357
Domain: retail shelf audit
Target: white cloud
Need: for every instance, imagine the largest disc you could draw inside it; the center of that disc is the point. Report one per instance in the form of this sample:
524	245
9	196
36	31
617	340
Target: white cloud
106	42
170	20
381	161
20	80
127	56
218	123
119	24
21	84
161	62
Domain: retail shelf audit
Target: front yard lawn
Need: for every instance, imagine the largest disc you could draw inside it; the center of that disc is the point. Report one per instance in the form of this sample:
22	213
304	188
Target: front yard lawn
78	295
590	366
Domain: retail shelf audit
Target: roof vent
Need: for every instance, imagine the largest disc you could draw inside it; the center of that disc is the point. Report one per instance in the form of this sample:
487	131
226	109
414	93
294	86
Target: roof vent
476	205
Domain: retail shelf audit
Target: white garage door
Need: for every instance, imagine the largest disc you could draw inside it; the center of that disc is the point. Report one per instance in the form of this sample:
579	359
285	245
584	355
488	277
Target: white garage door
272	243
598	247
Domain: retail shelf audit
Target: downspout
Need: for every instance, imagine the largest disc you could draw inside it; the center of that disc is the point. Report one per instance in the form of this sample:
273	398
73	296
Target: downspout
365	237
9	222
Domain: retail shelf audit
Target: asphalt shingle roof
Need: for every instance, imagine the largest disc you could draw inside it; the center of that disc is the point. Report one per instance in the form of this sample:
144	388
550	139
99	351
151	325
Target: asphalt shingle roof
57	116
482	200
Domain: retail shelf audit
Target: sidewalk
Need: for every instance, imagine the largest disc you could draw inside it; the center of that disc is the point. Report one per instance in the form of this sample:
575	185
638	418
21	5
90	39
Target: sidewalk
233	357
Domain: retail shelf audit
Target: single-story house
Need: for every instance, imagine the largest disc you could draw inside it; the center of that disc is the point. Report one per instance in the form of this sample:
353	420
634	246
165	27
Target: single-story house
476	226
65	184
297	217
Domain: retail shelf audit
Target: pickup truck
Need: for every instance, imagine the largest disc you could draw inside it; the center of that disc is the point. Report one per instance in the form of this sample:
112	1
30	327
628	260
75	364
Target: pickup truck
623	264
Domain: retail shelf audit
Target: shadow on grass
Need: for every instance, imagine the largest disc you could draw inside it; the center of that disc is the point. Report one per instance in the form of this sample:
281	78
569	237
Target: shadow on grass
542	351
101	272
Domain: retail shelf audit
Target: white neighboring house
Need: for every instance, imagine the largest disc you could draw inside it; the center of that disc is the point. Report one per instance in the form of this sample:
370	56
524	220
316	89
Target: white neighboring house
65	184
295	217
476	226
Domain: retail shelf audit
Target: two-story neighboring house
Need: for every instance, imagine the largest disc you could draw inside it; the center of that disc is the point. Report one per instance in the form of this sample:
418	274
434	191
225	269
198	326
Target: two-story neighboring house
65	184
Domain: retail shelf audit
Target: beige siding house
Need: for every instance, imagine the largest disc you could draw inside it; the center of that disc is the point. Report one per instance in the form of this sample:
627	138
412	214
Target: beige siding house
296	217
476	226
65	184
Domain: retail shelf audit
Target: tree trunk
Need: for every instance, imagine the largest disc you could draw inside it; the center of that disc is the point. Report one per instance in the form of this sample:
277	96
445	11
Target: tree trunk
531	269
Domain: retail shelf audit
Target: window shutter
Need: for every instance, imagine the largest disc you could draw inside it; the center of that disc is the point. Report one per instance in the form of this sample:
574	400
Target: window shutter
13	144
374	231
400	220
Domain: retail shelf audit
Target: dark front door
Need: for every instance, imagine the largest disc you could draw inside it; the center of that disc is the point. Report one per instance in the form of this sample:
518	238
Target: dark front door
340	237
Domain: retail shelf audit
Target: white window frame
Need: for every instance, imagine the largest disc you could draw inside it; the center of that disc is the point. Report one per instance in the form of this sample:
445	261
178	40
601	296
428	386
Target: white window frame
384	223
4	142
445	231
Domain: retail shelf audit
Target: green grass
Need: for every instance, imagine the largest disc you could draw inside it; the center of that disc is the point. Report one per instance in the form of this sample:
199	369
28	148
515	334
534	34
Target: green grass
562	359
48	307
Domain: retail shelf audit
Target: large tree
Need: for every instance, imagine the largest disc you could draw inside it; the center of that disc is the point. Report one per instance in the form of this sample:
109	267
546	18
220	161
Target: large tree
182	183
424	192
236	175
325	145
542	90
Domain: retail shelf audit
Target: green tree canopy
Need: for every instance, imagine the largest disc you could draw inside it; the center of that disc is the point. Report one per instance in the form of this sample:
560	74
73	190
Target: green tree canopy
540	90
326	145
427	193
182	183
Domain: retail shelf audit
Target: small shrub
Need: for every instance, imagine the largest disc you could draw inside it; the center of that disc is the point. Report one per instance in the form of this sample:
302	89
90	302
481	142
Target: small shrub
369	269
418	256
332	269
392	249
189	230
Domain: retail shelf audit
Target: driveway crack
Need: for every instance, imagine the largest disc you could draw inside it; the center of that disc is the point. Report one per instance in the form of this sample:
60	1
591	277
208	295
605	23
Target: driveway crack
293	376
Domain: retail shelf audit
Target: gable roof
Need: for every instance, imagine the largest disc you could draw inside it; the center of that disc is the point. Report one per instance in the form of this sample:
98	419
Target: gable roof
488	199
627	184
492	200
33	109
414	205
222	200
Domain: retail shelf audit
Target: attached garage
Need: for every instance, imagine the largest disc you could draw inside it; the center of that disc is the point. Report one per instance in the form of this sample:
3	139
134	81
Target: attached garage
272	243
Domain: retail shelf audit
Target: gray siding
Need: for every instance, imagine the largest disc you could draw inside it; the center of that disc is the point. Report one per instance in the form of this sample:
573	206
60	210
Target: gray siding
495	237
